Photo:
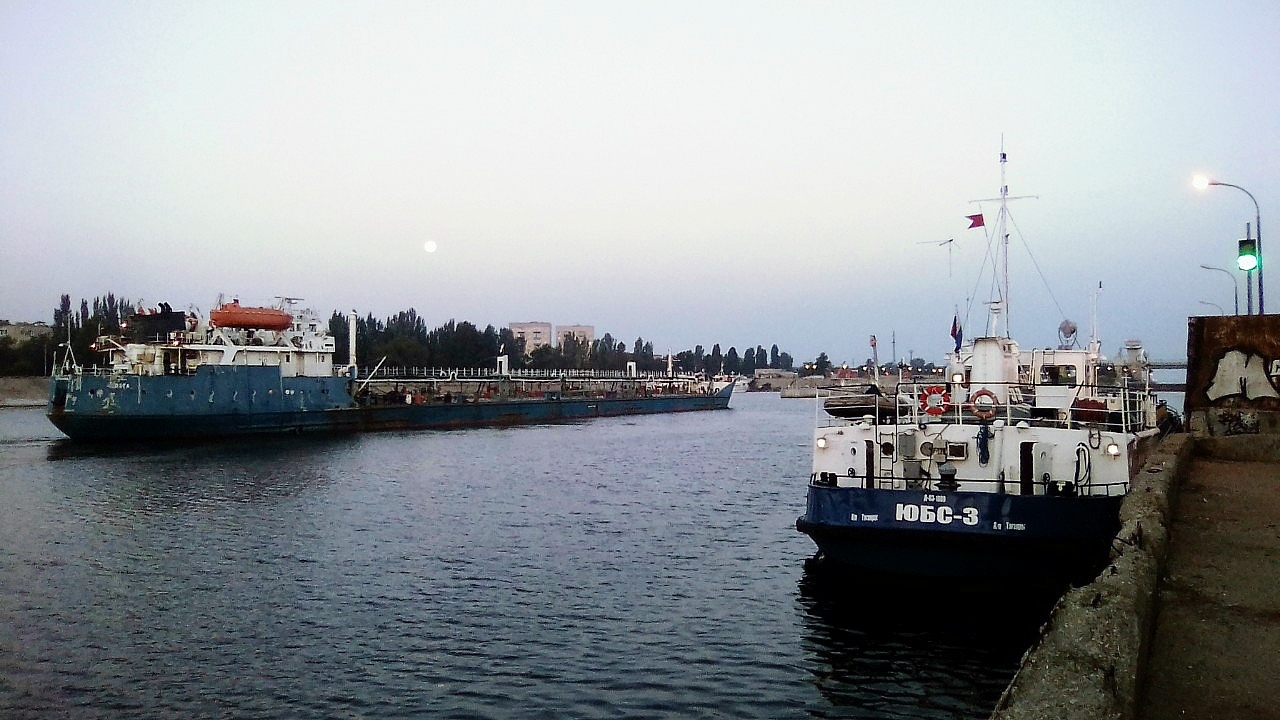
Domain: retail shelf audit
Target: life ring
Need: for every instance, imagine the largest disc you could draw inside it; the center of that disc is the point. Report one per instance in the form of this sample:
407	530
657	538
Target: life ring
934	400
987	410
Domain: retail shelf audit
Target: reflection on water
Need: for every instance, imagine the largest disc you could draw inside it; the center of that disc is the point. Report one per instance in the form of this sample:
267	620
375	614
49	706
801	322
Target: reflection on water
633	568
914	652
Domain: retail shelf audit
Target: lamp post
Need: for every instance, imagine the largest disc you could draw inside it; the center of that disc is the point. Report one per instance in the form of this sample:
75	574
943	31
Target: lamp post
1220	310
1201	182
1235	295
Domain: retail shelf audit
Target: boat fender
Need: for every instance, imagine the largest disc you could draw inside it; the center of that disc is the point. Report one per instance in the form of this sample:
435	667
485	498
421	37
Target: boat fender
985	410
984	447
935	400
1084	466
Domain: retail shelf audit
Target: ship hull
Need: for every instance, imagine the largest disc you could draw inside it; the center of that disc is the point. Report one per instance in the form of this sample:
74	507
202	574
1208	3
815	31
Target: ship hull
959	535
233	401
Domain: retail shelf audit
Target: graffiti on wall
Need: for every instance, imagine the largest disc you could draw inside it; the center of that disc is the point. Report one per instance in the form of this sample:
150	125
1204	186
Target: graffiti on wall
1244	374
1233	362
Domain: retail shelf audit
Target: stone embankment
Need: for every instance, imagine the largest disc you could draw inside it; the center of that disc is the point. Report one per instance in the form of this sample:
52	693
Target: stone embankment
1184	622
23	391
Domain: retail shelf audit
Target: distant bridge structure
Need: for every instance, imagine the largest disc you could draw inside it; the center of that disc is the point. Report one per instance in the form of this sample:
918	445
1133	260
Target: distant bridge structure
1167	364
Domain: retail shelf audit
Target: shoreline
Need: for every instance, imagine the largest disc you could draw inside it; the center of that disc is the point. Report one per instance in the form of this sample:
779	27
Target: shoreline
23	392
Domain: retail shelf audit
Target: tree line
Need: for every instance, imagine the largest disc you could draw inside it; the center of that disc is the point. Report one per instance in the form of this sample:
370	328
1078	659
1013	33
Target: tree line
74	326
403	339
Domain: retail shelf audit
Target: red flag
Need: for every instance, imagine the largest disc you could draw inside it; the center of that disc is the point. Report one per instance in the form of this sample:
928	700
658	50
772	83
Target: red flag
975	221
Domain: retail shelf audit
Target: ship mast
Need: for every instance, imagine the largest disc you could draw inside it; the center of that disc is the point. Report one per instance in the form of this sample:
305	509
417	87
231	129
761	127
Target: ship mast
999	307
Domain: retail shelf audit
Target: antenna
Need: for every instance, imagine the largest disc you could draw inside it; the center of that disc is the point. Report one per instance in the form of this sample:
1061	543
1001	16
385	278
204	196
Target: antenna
949	242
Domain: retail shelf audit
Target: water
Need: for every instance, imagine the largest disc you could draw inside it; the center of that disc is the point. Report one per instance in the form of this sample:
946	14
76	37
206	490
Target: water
628	568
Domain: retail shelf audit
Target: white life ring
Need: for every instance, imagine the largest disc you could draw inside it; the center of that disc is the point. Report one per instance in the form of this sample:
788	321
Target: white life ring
987	409
935	400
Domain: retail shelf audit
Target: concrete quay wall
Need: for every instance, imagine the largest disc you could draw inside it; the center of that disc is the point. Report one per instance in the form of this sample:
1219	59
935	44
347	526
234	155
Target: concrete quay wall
1091	655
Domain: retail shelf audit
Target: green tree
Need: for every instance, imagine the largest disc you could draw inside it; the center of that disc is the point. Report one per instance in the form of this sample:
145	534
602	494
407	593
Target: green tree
715	361
732	361
545	357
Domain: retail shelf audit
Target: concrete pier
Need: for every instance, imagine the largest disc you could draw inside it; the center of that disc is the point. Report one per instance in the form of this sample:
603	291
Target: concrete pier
1217	632
1185	621
1090	659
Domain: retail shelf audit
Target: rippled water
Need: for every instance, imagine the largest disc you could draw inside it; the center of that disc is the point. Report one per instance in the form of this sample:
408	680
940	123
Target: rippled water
641	567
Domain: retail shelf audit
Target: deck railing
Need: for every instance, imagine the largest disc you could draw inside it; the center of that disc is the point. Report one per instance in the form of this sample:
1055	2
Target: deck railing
908	402
474	373
1015	487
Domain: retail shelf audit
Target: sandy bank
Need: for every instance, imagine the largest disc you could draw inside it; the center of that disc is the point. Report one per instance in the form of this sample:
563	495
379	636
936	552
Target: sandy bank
23	391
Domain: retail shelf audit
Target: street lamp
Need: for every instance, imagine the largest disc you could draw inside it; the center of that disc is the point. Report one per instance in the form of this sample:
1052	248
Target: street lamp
1236	295
1200	182
1220	310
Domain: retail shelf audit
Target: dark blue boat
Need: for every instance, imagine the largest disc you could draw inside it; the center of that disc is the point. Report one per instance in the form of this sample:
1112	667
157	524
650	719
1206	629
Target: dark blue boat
961	535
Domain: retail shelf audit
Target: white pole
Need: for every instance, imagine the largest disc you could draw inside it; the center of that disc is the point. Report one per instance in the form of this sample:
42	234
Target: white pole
351	339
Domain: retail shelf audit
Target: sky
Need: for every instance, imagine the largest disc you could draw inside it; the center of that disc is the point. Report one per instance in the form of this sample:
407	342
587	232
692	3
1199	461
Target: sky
741	173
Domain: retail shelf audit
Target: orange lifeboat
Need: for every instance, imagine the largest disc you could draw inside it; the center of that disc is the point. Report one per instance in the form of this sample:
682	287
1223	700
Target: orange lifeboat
233	315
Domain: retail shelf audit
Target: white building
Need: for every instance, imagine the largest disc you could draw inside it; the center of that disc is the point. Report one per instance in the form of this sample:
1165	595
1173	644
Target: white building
21	332
584	334
534	334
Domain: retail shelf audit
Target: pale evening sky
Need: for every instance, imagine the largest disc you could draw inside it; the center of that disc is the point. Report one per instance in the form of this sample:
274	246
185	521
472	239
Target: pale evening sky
690	172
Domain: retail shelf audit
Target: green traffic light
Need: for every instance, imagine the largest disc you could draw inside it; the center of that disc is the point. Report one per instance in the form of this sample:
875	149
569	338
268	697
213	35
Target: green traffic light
1248	257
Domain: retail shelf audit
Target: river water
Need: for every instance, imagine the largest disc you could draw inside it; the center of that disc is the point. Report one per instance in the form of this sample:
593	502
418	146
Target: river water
641	567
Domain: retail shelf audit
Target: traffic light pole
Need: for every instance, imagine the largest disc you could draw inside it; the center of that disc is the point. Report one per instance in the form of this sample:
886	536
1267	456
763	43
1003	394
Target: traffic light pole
1249	259
1258	248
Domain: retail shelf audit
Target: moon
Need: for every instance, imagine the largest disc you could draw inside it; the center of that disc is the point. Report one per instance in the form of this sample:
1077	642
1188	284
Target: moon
430	246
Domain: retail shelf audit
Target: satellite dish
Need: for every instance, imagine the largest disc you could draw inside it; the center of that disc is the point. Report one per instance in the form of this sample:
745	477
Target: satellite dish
1066	334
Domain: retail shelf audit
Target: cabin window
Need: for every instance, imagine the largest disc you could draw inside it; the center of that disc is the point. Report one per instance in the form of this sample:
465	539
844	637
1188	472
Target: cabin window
1058	375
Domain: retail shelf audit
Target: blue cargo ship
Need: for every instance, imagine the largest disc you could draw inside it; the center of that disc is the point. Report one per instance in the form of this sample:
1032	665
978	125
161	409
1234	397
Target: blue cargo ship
263	371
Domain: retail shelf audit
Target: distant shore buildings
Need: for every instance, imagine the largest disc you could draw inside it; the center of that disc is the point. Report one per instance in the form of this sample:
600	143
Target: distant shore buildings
537	334
21	332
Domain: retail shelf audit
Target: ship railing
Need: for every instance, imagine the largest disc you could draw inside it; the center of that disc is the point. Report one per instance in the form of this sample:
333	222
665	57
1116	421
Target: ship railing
917	402
1051	487
91	370
488	374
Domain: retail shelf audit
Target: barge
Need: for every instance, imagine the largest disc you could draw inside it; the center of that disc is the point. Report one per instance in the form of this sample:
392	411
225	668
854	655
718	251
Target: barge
267	371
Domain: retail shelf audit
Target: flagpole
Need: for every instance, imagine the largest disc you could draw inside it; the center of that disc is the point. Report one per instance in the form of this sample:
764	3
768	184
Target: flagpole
875	362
